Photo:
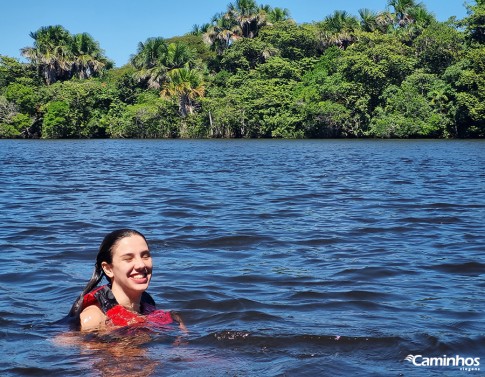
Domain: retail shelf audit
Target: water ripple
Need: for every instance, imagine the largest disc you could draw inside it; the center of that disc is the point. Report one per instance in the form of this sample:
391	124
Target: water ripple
283	257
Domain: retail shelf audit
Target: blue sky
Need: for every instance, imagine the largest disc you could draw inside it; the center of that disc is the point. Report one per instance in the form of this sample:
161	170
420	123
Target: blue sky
118	25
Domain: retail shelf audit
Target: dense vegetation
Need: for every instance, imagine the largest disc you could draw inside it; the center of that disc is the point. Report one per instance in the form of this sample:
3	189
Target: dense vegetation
253	72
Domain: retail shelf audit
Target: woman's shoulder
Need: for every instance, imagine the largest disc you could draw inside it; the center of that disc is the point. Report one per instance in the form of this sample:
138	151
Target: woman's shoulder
92	318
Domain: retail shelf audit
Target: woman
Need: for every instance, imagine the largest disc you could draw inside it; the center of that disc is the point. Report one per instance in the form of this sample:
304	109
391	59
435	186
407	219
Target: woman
124	258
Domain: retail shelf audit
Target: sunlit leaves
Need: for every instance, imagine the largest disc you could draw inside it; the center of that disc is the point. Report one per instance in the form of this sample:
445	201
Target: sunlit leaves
58	55
438	47
186	85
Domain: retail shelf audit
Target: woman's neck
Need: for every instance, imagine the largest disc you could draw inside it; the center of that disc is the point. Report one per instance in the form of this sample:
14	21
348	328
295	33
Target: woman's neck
129	302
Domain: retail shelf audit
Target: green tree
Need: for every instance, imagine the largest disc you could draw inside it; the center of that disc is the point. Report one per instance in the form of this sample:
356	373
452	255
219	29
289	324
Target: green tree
126	87
338	30
248	16
58	55
325	119
474	23
25	95
246	54
199	30
332	106
222	32
196	44
87	101
153	118
149	60
409	110
8	116
254	104
56	123
243	19
407	12
280	68
467	77
7	110
186	85
276	14
89	59
439	46
368	20
51	53
155	58
409	19
376	62
12	70
293	41
22	124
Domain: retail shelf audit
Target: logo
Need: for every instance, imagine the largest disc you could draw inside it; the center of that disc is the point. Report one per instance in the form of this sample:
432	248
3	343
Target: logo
411	358
464	363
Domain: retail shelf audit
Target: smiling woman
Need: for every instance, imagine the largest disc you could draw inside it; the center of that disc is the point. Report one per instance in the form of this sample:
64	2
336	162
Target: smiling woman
124	258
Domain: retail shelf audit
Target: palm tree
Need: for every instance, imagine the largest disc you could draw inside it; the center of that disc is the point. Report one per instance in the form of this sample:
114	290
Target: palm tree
178	56
438	98
409	19
147	61
155	59
338	29
385	21
248	15
200	29
243	19
223	31
59	55
275	14
89	59
51	52
401	8
408	12
185	84
149	53
368	20
420	16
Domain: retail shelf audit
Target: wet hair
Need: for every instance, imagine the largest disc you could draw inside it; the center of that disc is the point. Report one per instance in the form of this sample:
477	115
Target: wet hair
105	254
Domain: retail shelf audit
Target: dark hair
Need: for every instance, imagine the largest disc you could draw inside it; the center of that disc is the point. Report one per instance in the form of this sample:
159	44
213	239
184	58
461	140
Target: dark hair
105	254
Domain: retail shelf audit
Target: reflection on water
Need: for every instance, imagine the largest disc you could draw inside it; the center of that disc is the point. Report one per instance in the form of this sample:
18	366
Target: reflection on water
283	257
120	352
121	356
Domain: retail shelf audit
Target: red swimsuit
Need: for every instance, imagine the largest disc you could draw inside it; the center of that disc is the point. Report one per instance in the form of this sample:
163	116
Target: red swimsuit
119	315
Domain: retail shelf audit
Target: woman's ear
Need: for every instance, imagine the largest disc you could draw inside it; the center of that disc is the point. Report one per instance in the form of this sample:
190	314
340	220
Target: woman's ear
107	269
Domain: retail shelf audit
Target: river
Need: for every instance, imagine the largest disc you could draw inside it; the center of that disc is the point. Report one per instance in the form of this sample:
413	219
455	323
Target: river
284	258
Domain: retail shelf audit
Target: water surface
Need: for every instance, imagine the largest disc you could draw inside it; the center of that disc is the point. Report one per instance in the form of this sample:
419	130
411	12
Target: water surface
285	258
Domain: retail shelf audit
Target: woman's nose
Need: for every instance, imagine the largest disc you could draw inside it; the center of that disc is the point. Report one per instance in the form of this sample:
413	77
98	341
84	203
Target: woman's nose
139	263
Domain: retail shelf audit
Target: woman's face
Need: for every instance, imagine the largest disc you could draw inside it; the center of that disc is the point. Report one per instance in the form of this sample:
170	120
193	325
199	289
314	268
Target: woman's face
131	267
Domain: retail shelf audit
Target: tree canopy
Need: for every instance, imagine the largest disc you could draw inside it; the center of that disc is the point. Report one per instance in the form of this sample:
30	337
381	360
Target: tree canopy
251	71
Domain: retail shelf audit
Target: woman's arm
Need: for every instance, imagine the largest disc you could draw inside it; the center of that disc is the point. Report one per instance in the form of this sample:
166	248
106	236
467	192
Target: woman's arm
177	318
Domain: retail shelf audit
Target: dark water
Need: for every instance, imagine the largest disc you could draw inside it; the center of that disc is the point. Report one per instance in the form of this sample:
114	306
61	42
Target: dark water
285	258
